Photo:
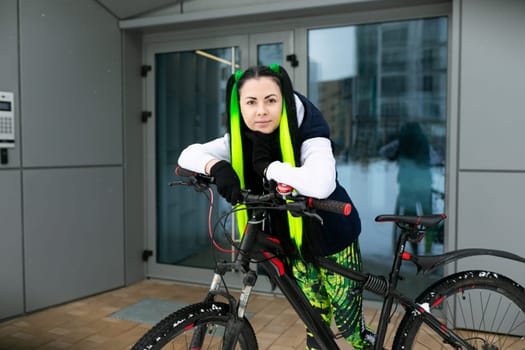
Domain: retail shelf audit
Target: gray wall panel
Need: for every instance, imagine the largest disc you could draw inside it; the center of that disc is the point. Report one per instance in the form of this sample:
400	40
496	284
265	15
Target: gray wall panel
9	68
9	40
11	262
11	290
73	233
71	79
492	85
491	216
492	88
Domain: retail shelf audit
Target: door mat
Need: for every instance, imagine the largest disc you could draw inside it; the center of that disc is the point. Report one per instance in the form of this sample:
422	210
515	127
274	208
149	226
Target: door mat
151	311
148	310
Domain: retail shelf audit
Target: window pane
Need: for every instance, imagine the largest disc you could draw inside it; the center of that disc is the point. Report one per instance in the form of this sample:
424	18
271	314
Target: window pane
382	89
189	101
270	53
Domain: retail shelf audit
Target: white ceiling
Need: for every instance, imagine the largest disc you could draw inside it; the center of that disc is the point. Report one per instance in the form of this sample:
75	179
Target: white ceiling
130	8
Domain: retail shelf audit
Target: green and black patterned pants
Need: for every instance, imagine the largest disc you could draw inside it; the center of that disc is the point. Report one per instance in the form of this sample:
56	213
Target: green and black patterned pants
332	295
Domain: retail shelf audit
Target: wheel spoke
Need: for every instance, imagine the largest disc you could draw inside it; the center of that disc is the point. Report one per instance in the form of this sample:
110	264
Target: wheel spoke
484	307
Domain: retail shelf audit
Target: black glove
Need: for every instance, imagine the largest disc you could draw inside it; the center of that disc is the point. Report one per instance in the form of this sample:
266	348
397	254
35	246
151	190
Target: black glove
266	149
227	181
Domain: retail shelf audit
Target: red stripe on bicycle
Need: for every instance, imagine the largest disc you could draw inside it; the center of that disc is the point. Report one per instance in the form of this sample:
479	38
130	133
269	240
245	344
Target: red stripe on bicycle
278	263
438	301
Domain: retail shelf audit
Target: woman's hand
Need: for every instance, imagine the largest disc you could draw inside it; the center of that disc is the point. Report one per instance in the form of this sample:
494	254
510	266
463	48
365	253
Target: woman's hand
227	181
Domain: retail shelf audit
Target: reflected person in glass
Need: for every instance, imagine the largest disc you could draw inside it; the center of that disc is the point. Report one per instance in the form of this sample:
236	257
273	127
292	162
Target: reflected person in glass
412	151
276	134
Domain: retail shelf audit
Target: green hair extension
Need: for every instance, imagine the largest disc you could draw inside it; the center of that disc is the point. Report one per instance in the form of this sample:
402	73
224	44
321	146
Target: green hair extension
295	224
237	151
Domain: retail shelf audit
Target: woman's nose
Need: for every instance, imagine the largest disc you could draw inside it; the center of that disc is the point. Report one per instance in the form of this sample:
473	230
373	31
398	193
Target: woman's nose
261	110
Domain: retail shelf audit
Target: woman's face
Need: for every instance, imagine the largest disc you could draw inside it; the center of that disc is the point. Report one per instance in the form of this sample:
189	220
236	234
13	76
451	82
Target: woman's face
261	104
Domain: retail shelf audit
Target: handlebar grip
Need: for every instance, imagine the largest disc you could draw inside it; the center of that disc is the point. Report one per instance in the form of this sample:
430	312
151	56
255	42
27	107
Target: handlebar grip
184	172
330	205
202	179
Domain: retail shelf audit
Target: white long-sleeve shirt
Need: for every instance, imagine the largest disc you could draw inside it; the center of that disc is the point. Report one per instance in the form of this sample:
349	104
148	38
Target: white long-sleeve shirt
315	177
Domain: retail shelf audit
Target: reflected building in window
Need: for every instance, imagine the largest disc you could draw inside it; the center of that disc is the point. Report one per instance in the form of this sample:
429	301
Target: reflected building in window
402	79
401	70
370	81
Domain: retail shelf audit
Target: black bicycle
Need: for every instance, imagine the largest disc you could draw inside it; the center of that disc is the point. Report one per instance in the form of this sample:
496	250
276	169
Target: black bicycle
475	309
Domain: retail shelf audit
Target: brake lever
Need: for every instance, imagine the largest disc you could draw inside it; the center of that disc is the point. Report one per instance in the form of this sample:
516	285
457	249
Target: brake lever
314	215
299	209
177	183
198	185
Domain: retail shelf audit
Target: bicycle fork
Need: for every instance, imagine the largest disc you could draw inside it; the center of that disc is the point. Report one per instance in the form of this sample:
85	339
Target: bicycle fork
235	324
238	309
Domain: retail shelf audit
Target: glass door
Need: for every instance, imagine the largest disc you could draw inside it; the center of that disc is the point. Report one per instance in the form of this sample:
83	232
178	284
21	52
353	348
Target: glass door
186	94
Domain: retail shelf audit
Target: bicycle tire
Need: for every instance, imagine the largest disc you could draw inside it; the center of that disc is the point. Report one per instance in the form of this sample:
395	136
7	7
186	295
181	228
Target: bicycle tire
177	330
499	310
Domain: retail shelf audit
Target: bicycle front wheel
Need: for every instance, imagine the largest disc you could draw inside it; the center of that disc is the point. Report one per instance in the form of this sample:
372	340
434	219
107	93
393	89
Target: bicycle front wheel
197	326
484	308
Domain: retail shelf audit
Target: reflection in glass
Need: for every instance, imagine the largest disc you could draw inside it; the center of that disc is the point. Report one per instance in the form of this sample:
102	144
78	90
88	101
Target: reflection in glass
382	89
415	158
189	102
270	53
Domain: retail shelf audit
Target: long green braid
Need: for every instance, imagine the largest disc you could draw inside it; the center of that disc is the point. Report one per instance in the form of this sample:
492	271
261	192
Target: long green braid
236	151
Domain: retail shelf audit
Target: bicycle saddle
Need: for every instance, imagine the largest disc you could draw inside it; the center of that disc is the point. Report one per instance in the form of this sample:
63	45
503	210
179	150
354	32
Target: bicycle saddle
423	220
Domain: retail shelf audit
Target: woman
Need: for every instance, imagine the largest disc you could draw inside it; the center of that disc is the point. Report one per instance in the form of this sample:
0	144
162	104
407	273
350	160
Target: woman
278	135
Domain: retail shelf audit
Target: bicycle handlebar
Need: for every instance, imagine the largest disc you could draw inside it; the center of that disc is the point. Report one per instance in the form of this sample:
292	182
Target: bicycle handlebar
296	204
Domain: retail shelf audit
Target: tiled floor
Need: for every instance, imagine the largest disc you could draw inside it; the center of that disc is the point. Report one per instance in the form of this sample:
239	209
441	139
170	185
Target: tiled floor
87	324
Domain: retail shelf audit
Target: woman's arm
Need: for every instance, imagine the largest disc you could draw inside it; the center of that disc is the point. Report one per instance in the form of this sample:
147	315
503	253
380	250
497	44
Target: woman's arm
200	157
317	174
